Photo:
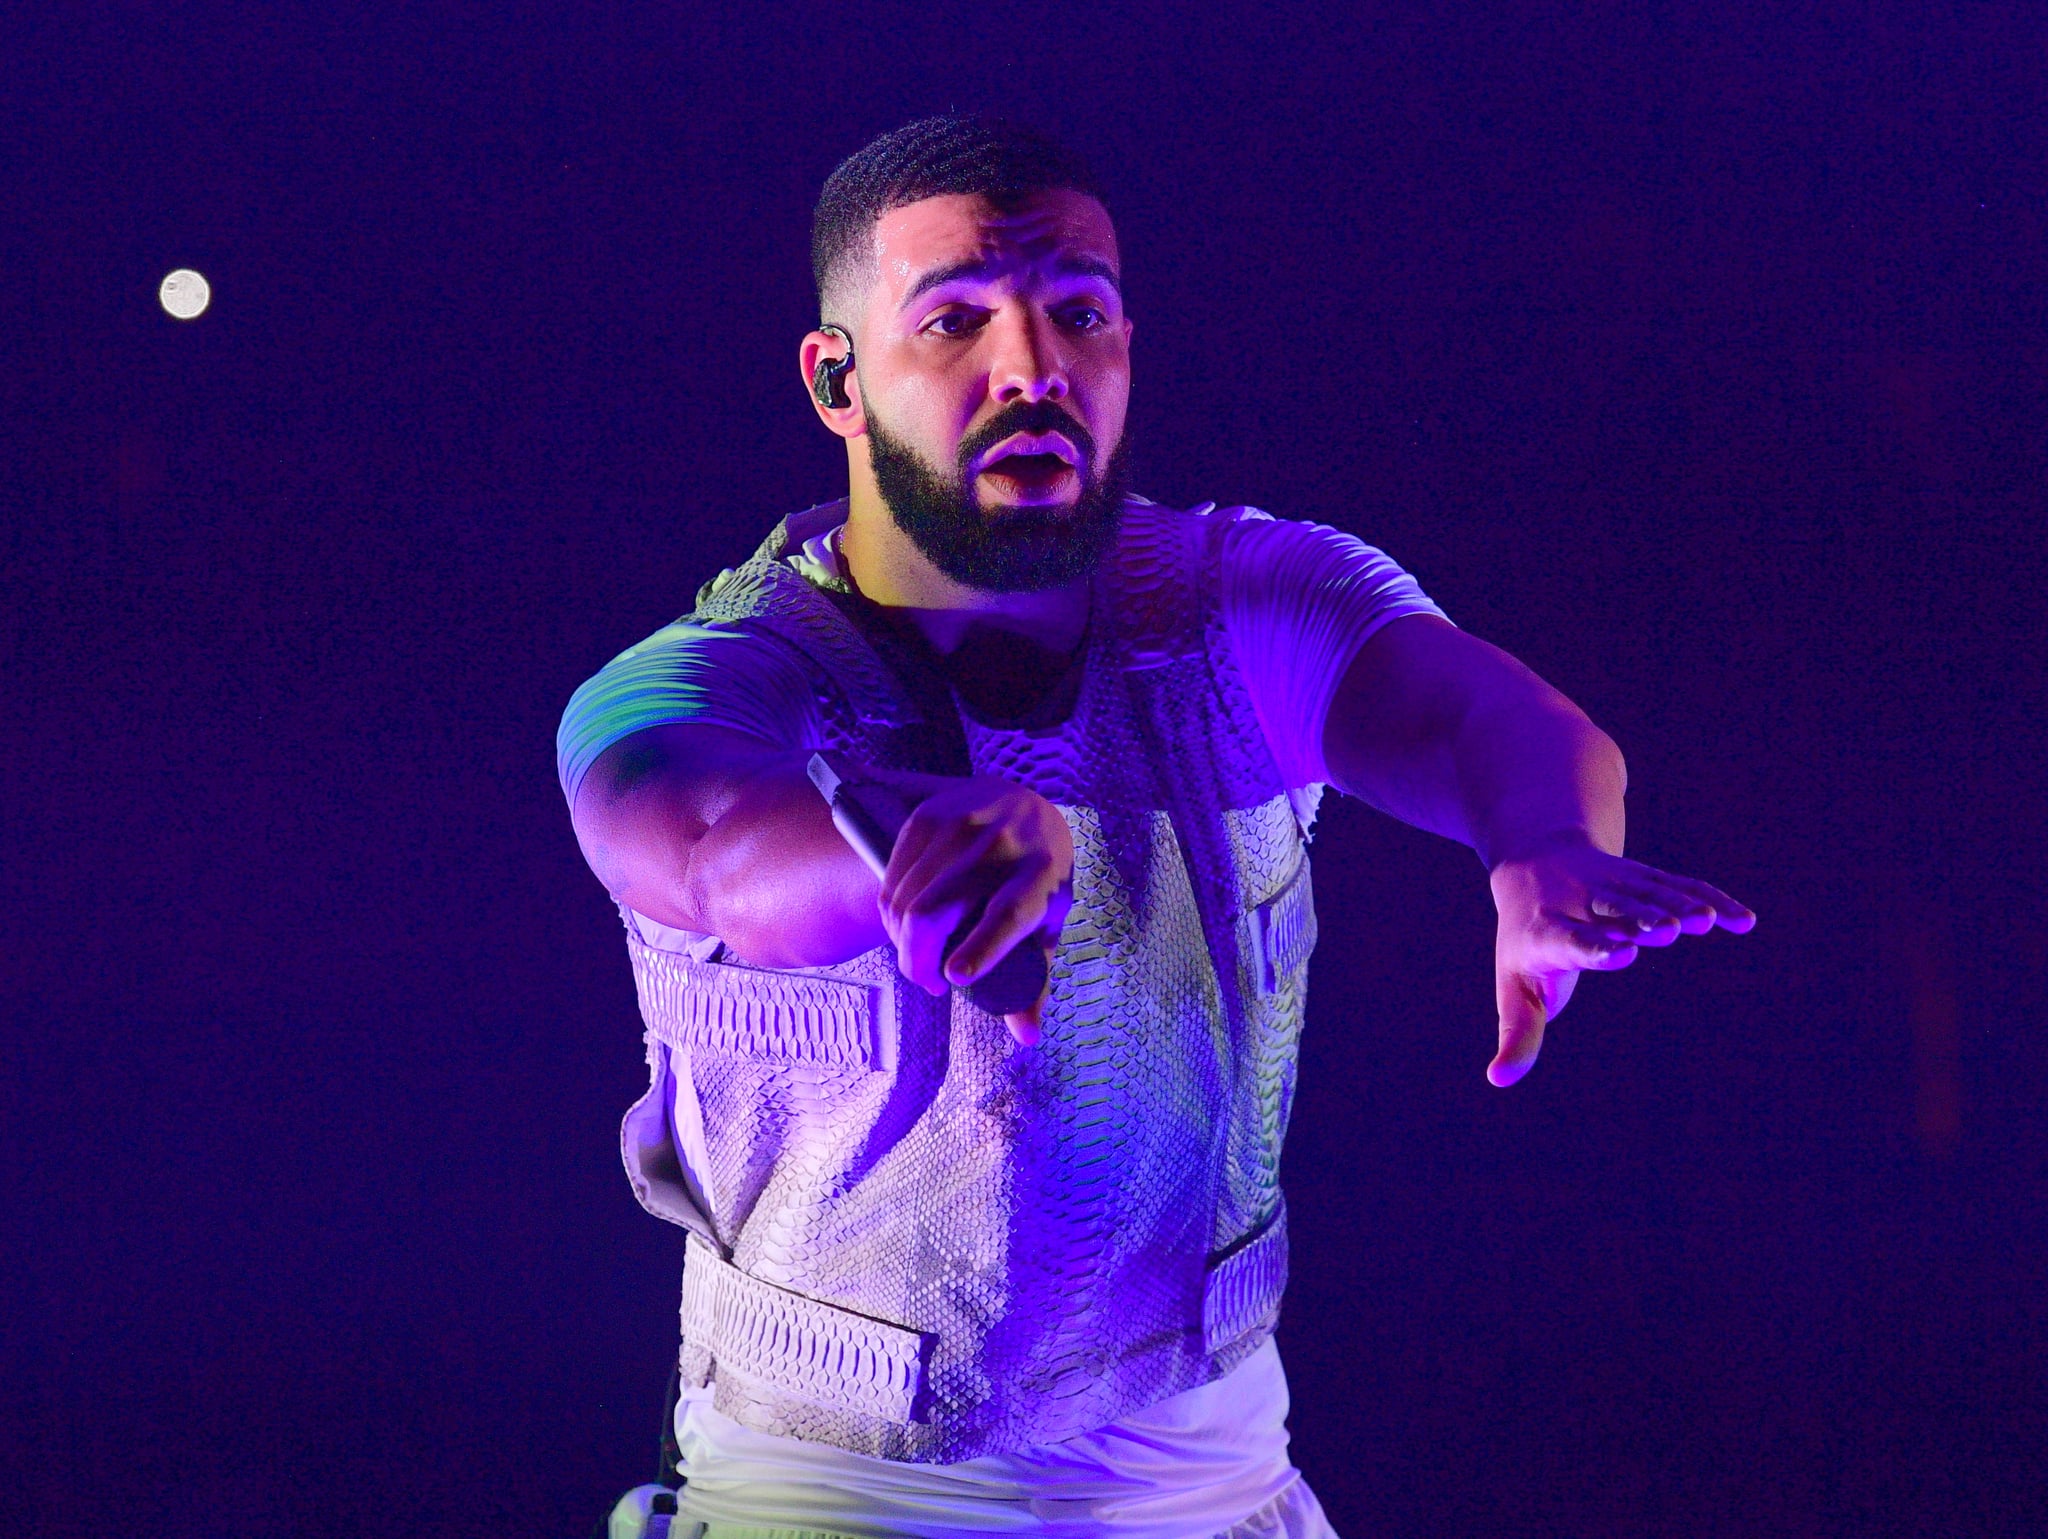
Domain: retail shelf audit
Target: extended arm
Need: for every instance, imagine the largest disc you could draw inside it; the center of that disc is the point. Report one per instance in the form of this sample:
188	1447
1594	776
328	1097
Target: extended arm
1448	733
717	831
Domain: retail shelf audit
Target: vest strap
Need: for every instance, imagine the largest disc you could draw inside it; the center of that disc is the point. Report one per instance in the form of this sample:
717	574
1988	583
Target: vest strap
772	1339
1284	931
773	1017
1244	1288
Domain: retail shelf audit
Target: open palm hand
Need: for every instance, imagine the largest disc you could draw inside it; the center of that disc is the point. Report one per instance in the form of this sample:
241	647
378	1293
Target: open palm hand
1569	908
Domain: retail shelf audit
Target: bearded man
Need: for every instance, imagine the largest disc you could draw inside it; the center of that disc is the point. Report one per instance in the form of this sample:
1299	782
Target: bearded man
959	1262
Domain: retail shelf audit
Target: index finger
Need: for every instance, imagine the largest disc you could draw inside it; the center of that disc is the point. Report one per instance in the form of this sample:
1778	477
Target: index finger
1728	914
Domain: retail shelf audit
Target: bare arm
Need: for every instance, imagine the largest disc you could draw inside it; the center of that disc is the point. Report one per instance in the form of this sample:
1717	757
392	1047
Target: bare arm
720	832
1448	733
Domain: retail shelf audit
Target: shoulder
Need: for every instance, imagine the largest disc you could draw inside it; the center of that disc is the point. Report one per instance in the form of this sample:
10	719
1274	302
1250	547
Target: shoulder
1251	536
1240	548
782	573
1159	545
1262	560
1166	554
693	642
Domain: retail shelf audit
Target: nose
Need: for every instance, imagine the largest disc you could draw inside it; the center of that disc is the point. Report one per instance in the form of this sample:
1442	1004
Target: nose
1029	364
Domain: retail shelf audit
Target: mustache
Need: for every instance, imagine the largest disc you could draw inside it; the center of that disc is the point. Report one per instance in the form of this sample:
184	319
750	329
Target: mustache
1028	417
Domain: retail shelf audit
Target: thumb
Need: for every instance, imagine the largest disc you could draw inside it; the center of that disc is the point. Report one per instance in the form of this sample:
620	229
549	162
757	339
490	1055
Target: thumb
1028	1024
1522	1016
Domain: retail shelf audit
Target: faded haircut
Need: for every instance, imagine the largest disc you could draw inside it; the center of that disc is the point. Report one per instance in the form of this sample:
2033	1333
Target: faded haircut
1001	161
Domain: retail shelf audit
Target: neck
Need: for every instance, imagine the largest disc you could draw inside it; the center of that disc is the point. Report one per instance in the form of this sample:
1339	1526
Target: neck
890	570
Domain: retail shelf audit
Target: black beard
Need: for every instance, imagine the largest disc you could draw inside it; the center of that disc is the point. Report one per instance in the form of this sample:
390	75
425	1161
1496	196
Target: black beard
1013	550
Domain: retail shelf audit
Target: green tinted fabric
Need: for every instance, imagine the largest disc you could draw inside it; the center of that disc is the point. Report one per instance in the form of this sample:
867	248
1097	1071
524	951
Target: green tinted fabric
713	675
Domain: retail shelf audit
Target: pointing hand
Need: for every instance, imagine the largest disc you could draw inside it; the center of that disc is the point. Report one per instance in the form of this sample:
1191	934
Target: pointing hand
1567	908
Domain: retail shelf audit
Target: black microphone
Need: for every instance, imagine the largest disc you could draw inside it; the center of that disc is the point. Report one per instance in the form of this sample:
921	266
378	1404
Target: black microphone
869	817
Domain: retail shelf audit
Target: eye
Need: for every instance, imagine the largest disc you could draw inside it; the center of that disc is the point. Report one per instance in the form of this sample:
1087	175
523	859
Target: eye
1084	318
954	323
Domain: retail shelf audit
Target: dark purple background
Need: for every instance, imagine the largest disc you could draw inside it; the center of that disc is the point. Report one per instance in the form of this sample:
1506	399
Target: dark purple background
1695	357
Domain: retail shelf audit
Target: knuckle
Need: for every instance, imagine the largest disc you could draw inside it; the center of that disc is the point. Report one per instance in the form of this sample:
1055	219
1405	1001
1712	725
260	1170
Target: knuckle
929	907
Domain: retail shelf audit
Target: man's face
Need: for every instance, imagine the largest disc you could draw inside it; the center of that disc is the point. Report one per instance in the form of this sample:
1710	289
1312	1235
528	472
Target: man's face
995	371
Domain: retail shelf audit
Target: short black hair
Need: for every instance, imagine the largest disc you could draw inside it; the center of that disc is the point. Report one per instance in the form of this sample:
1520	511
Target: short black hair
1002	161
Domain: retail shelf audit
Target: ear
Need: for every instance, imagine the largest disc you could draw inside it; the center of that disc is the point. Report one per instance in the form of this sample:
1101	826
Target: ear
849	421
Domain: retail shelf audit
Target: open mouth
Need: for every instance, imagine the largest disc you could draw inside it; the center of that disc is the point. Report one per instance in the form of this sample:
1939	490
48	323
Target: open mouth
1032	468
1034	471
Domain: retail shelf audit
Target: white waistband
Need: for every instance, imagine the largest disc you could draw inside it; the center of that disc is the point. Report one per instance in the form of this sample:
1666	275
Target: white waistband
1197	1464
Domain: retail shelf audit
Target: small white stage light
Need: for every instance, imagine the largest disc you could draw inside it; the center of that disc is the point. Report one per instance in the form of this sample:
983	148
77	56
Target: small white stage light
184	294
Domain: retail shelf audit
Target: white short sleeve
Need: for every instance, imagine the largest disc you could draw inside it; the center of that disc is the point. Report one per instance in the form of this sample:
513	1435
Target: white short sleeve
717	675
1299	600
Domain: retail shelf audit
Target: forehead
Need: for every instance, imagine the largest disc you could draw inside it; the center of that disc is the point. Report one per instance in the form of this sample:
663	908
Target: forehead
1051	226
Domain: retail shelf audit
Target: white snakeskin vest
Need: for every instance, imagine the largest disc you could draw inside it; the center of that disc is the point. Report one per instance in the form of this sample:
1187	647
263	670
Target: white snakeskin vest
912	1238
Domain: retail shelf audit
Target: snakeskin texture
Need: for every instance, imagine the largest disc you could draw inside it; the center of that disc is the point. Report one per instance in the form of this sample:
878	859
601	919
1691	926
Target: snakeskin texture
767	1338
913	1238
763	592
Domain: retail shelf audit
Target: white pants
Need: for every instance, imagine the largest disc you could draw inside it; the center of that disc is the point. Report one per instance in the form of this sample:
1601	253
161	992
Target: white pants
1208	1464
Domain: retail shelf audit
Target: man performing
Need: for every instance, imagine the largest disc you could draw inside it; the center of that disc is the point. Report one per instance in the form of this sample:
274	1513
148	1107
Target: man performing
951	1270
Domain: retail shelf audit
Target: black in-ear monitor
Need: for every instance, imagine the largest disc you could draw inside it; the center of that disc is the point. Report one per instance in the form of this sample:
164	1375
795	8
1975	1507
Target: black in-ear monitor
828	379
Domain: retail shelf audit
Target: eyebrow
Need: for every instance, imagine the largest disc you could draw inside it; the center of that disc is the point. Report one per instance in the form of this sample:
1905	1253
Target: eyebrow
982	267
